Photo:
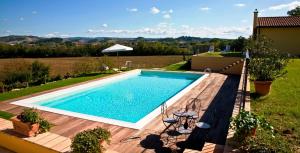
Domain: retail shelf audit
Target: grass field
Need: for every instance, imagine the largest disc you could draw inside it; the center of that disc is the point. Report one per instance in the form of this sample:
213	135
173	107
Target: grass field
282	109
180	66
63	65
220	54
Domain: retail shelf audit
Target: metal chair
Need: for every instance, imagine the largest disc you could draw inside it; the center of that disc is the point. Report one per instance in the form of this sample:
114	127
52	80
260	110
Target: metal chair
211	119
167	120
195	107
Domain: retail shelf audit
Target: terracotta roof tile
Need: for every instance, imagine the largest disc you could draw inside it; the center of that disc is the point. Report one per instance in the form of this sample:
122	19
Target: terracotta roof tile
284	21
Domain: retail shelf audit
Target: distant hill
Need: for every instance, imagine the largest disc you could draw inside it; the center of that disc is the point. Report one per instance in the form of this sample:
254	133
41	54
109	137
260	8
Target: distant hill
19	39
13	39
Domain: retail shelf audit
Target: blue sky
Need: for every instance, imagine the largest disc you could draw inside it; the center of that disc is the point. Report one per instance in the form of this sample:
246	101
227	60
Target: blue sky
133	18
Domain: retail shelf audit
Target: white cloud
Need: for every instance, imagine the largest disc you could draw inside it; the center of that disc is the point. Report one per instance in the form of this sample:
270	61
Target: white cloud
132	9
21	19
170	11
154	10
167	16
185	26
56	34
288	6
263	12
104	25
240	5
34	12
91	31
169	30
205	8
50	35
64	35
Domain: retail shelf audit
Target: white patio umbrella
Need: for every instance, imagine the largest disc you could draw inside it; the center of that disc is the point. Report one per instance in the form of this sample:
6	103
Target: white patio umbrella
117	48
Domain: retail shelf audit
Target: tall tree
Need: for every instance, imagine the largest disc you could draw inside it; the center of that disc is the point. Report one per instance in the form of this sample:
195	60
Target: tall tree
294	12
238	44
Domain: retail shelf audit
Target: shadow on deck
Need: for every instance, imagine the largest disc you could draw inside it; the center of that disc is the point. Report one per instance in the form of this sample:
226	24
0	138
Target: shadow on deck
222	104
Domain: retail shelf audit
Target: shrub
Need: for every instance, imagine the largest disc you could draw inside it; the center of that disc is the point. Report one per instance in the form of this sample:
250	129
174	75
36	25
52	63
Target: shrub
56	78
32	116
102	134
29	115
267	69
85	142
88	141
67	75
245	122
17	76
2	85
20	84
44	125
40	72
266	63
19	72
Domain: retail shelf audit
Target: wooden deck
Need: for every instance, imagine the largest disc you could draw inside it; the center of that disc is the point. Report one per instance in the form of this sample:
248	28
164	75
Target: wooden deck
218	92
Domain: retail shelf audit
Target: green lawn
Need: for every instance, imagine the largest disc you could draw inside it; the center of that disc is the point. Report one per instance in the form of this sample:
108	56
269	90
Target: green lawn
5	115
181	66
48	86
282	109
220	54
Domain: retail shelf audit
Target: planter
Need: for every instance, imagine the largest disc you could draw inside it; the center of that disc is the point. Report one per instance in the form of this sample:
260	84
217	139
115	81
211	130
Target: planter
262	87
103	143
26	129
253	132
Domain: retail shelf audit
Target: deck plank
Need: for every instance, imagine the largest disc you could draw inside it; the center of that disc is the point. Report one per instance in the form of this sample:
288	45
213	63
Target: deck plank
55	141
46	139
64	144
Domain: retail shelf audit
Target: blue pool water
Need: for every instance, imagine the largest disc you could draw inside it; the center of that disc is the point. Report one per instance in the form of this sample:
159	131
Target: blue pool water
128	99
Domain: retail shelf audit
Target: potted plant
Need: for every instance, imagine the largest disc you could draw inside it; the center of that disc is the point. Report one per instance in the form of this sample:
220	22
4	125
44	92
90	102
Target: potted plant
266	64
44	125
102	135
29	123
90	141
245	124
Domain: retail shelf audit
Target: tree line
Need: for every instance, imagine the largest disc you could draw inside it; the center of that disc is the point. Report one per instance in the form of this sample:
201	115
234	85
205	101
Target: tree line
141	48
73	50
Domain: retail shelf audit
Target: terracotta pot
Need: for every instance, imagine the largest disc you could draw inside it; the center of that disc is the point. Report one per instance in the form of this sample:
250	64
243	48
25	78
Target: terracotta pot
26	129
103	143
253	132
262	87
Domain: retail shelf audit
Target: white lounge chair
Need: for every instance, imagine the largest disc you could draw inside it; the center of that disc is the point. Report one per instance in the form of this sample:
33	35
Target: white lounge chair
104	67
128	65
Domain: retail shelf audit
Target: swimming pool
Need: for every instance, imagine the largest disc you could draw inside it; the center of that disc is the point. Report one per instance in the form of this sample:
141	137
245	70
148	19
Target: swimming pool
130	99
